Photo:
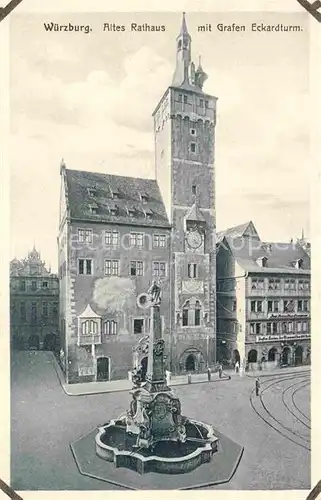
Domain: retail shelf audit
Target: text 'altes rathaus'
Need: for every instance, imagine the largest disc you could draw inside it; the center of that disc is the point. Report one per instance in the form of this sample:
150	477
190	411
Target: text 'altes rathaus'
117	234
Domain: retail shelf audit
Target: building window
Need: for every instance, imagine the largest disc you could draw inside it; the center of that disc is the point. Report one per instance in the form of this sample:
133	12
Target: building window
206	104
159	268
34	311
274	284
194	190
185	99
284	327
192	131
289	285
159	240
23	311
257	284
136	268
197	313
143	197
22	286
273	306
185	317
138	326
288	305
304	285
89	327
85	235
234	305
45	284
201	102
136	239
54	310
299	327
271	328
179	98
255	328
45	310
193	147
112	238
85	266
110	327
113	210
33	285
304	326
192	270
256	306
111	267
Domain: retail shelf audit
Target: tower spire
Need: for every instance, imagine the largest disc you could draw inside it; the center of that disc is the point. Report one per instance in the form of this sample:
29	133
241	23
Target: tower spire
184	30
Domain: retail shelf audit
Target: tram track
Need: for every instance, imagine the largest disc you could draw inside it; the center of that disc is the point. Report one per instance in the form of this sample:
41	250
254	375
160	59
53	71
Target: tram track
296	406
274	422
288	407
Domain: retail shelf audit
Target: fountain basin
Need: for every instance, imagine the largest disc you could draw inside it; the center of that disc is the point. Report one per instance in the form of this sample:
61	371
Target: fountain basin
114	444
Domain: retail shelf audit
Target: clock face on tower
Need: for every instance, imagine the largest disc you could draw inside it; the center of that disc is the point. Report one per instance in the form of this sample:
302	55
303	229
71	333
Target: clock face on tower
194	239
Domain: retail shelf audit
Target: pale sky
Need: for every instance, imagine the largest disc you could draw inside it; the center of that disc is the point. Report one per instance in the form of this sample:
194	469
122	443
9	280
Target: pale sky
89	99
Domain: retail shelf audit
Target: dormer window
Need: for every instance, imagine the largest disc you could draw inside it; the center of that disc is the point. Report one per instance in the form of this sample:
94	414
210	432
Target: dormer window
91	191
93	209
143	198
148	213
131	212
113	209
298	264
114	193
262	261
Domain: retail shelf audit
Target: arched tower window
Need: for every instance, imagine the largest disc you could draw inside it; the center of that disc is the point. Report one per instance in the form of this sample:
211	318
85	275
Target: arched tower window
192	313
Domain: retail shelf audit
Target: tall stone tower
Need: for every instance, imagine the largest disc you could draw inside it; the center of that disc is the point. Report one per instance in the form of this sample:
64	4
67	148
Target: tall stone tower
184	123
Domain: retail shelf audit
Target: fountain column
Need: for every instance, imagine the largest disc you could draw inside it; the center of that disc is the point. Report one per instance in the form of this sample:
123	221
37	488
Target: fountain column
155	378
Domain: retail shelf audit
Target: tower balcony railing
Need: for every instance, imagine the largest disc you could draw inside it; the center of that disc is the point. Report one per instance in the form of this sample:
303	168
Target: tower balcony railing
89	339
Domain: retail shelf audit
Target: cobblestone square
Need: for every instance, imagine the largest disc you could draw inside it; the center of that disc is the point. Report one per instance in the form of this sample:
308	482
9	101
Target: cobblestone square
273	428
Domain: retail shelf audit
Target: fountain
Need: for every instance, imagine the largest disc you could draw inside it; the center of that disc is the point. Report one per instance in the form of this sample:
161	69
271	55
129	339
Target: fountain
152	445
153	435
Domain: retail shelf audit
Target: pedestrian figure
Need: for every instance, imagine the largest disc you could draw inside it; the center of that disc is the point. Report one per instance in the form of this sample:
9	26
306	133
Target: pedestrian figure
220	369
237	367
257	386
209	374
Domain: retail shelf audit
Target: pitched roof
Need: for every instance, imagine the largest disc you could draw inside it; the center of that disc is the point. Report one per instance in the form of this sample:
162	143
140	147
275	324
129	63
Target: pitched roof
281	257
90	189
246	229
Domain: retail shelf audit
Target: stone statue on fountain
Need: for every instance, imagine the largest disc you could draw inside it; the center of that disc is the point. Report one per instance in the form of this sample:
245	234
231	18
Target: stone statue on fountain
155	412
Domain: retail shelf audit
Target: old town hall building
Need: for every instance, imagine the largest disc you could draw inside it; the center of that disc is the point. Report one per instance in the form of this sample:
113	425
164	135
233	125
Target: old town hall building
117	234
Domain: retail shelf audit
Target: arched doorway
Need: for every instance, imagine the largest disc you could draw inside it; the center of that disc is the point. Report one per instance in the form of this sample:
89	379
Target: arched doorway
102	369
298	355
285	358
190	363
252	356
143	368
272	354
236	356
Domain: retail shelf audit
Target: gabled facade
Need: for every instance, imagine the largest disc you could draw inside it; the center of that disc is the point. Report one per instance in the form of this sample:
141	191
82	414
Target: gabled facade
34	303
117	234
263	305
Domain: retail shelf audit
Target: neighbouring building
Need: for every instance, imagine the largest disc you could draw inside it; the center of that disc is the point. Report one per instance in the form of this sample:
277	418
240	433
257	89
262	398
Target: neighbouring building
117	234
263	300
34	304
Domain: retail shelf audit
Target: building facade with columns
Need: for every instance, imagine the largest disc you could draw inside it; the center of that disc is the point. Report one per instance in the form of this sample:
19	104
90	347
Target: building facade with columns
34	303
117	234
263	304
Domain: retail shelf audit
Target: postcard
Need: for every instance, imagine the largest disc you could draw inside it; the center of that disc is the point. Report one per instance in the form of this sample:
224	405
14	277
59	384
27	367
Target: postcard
158	258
